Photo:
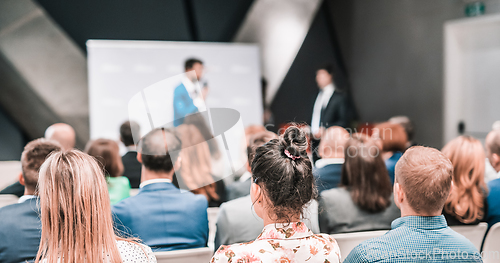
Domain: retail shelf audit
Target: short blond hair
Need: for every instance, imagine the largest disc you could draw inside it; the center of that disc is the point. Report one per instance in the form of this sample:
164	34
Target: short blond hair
425	175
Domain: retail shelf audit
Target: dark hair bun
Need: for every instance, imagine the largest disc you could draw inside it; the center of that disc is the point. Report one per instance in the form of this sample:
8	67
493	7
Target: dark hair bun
295	141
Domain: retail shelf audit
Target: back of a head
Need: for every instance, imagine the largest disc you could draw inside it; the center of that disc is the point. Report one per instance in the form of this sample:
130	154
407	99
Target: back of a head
258	140
406	123
128	131
63	134
107	153
281	167
33	156
392	135
425	176
493	142
364	174
160	149
75	210
333	140
466	200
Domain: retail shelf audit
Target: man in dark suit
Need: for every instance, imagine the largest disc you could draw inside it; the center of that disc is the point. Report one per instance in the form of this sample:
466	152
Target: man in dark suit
162	216
331	107
132	168
328	169
20	225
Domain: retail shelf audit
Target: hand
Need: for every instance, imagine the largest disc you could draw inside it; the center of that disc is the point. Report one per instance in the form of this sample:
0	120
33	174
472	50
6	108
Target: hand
204	92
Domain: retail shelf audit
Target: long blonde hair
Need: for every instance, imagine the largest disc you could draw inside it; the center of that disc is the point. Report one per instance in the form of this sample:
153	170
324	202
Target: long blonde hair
466	200
77	225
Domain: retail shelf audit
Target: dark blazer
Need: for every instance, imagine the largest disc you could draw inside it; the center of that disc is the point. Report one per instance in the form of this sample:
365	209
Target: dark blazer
328	176
164	218
132	168
19	231
336	112
14	189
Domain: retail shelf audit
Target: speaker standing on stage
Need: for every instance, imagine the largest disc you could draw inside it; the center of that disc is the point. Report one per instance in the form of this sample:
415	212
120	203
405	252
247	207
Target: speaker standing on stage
331	107
187	99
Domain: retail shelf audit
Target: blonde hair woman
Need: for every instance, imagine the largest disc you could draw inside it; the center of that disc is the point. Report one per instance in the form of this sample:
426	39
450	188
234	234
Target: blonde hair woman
76	215
466	202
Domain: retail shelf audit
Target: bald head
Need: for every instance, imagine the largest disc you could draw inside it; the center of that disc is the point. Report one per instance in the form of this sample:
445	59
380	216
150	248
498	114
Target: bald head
159	150
493	149
332	142
62	133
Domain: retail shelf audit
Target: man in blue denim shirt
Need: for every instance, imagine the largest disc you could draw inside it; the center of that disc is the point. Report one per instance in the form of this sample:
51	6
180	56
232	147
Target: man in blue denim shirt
422	185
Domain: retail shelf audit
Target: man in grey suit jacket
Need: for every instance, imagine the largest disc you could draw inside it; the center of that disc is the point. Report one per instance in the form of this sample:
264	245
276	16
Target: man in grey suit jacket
20	225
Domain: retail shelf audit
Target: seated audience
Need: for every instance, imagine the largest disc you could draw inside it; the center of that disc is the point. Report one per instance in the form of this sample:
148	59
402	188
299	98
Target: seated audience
131	167
393	141
423	182
76	214
493	200
466	203
256	137
237	221
282	186
163	216
407	124
196	170
107	153
331	150
20	225
59	132
492	144
364	199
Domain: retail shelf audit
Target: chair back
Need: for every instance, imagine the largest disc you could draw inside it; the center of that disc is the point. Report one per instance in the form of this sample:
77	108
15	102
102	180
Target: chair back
348	241
474	234
491	247
6	200
195	255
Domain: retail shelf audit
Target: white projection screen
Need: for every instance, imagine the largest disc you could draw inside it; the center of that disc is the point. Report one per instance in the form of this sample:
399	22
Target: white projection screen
118	70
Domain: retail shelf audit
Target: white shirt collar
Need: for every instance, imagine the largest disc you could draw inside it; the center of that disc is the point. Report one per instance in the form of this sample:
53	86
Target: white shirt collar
23	198
324	162
131	148
154	181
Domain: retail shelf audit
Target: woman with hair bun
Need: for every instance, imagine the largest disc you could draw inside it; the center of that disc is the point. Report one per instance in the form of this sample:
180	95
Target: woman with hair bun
282	184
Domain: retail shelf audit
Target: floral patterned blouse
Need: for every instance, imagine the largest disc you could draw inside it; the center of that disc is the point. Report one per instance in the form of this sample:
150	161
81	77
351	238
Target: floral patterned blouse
282	243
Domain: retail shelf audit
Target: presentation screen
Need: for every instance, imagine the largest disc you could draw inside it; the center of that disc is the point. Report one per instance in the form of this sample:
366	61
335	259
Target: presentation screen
120	70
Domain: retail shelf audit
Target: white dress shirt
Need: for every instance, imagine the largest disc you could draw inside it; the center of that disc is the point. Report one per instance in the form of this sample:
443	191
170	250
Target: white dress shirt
153	181
23	198
195	93
321	102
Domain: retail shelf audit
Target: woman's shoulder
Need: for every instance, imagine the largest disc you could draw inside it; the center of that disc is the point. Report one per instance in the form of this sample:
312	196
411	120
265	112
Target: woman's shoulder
135	252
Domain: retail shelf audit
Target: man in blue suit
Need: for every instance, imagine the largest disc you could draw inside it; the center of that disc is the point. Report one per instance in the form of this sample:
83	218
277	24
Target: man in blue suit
162	216
20	225
187	98
328	169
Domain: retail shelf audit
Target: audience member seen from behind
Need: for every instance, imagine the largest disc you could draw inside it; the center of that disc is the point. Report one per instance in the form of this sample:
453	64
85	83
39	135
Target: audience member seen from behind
407	124
493	200
363	201
107	154
283	184
237	221
132	168
20	224
331	150
393	141
160	214
241	187
423	183
76	216
466	204
62	133
196	170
